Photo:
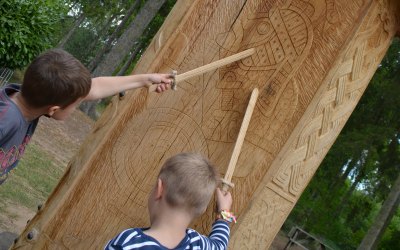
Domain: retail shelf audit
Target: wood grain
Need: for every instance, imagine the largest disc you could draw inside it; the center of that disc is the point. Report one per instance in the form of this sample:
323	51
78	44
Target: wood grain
313	60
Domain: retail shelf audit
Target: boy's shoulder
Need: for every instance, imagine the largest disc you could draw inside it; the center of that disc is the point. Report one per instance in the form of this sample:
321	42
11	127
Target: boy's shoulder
8	110
134	238
7	107
10	88
12	122
192	233
10	116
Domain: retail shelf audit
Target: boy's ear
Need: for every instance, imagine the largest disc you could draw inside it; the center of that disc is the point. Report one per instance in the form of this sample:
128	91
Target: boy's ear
52	109
159	189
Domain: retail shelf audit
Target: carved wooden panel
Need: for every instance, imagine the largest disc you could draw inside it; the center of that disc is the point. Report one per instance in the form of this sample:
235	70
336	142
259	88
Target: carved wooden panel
313	60
325	116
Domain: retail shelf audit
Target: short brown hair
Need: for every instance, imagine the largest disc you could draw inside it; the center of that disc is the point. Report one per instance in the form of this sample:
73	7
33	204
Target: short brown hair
190	181
55	78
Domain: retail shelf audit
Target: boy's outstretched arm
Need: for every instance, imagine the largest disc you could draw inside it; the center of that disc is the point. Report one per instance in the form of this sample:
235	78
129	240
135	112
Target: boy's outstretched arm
110	85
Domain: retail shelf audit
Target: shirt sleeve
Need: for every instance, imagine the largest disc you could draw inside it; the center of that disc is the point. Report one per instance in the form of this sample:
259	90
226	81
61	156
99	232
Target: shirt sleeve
219	236
4	132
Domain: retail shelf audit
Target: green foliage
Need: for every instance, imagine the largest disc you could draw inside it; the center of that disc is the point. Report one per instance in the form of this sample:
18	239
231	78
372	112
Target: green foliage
96	13
100	8
102	18
26	29
80	40
391	236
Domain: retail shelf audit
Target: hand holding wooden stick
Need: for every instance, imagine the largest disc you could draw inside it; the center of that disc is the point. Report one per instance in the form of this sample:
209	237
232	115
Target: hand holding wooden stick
226	181
207	68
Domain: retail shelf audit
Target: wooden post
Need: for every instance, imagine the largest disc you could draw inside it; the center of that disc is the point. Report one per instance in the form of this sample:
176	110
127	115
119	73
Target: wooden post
312	62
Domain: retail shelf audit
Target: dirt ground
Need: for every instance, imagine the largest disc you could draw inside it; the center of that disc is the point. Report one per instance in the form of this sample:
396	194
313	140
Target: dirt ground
15	217
62	140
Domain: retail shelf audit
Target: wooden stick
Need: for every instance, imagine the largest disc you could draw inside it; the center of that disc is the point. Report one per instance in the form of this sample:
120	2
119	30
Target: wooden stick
226	181
209	67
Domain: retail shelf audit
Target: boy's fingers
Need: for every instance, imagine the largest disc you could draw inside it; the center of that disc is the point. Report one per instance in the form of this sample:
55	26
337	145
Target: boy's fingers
221	192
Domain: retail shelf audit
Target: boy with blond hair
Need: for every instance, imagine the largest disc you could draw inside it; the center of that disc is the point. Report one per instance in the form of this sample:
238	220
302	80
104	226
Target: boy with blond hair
54	84
183	190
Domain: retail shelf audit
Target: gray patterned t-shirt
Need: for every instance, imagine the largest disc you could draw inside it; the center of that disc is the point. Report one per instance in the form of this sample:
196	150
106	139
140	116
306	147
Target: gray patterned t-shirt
15	131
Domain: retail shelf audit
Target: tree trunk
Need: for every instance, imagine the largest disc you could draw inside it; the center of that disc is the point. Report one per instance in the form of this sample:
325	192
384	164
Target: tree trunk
77	23
100	34
382	220
96	60
128	39
128	62
89	108
124	44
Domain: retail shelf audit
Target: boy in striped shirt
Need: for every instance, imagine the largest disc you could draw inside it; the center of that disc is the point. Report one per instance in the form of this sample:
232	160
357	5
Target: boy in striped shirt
182	192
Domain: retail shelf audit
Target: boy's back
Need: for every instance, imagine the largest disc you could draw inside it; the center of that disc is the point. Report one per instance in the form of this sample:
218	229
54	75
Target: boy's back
135	238
183	191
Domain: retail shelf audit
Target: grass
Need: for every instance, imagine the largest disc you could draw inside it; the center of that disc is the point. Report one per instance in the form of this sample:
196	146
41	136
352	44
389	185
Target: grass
31	182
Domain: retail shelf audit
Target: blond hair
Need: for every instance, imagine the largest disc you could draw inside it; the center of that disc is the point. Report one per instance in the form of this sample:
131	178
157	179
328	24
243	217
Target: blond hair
190	181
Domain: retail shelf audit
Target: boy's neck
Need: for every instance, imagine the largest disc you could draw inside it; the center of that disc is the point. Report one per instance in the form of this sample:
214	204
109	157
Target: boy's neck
28	113
169	227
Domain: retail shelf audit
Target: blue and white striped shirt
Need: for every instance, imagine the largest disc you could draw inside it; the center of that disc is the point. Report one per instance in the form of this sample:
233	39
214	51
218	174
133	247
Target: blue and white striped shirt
134	238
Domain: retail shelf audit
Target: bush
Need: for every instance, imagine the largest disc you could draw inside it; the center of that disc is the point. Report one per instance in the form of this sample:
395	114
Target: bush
26	29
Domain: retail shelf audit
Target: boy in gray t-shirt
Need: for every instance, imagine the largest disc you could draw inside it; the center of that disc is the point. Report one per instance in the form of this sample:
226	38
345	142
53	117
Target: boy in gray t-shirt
54	84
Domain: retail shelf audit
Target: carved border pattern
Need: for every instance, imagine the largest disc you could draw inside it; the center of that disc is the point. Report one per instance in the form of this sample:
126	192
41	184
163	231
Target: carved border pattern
322	122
